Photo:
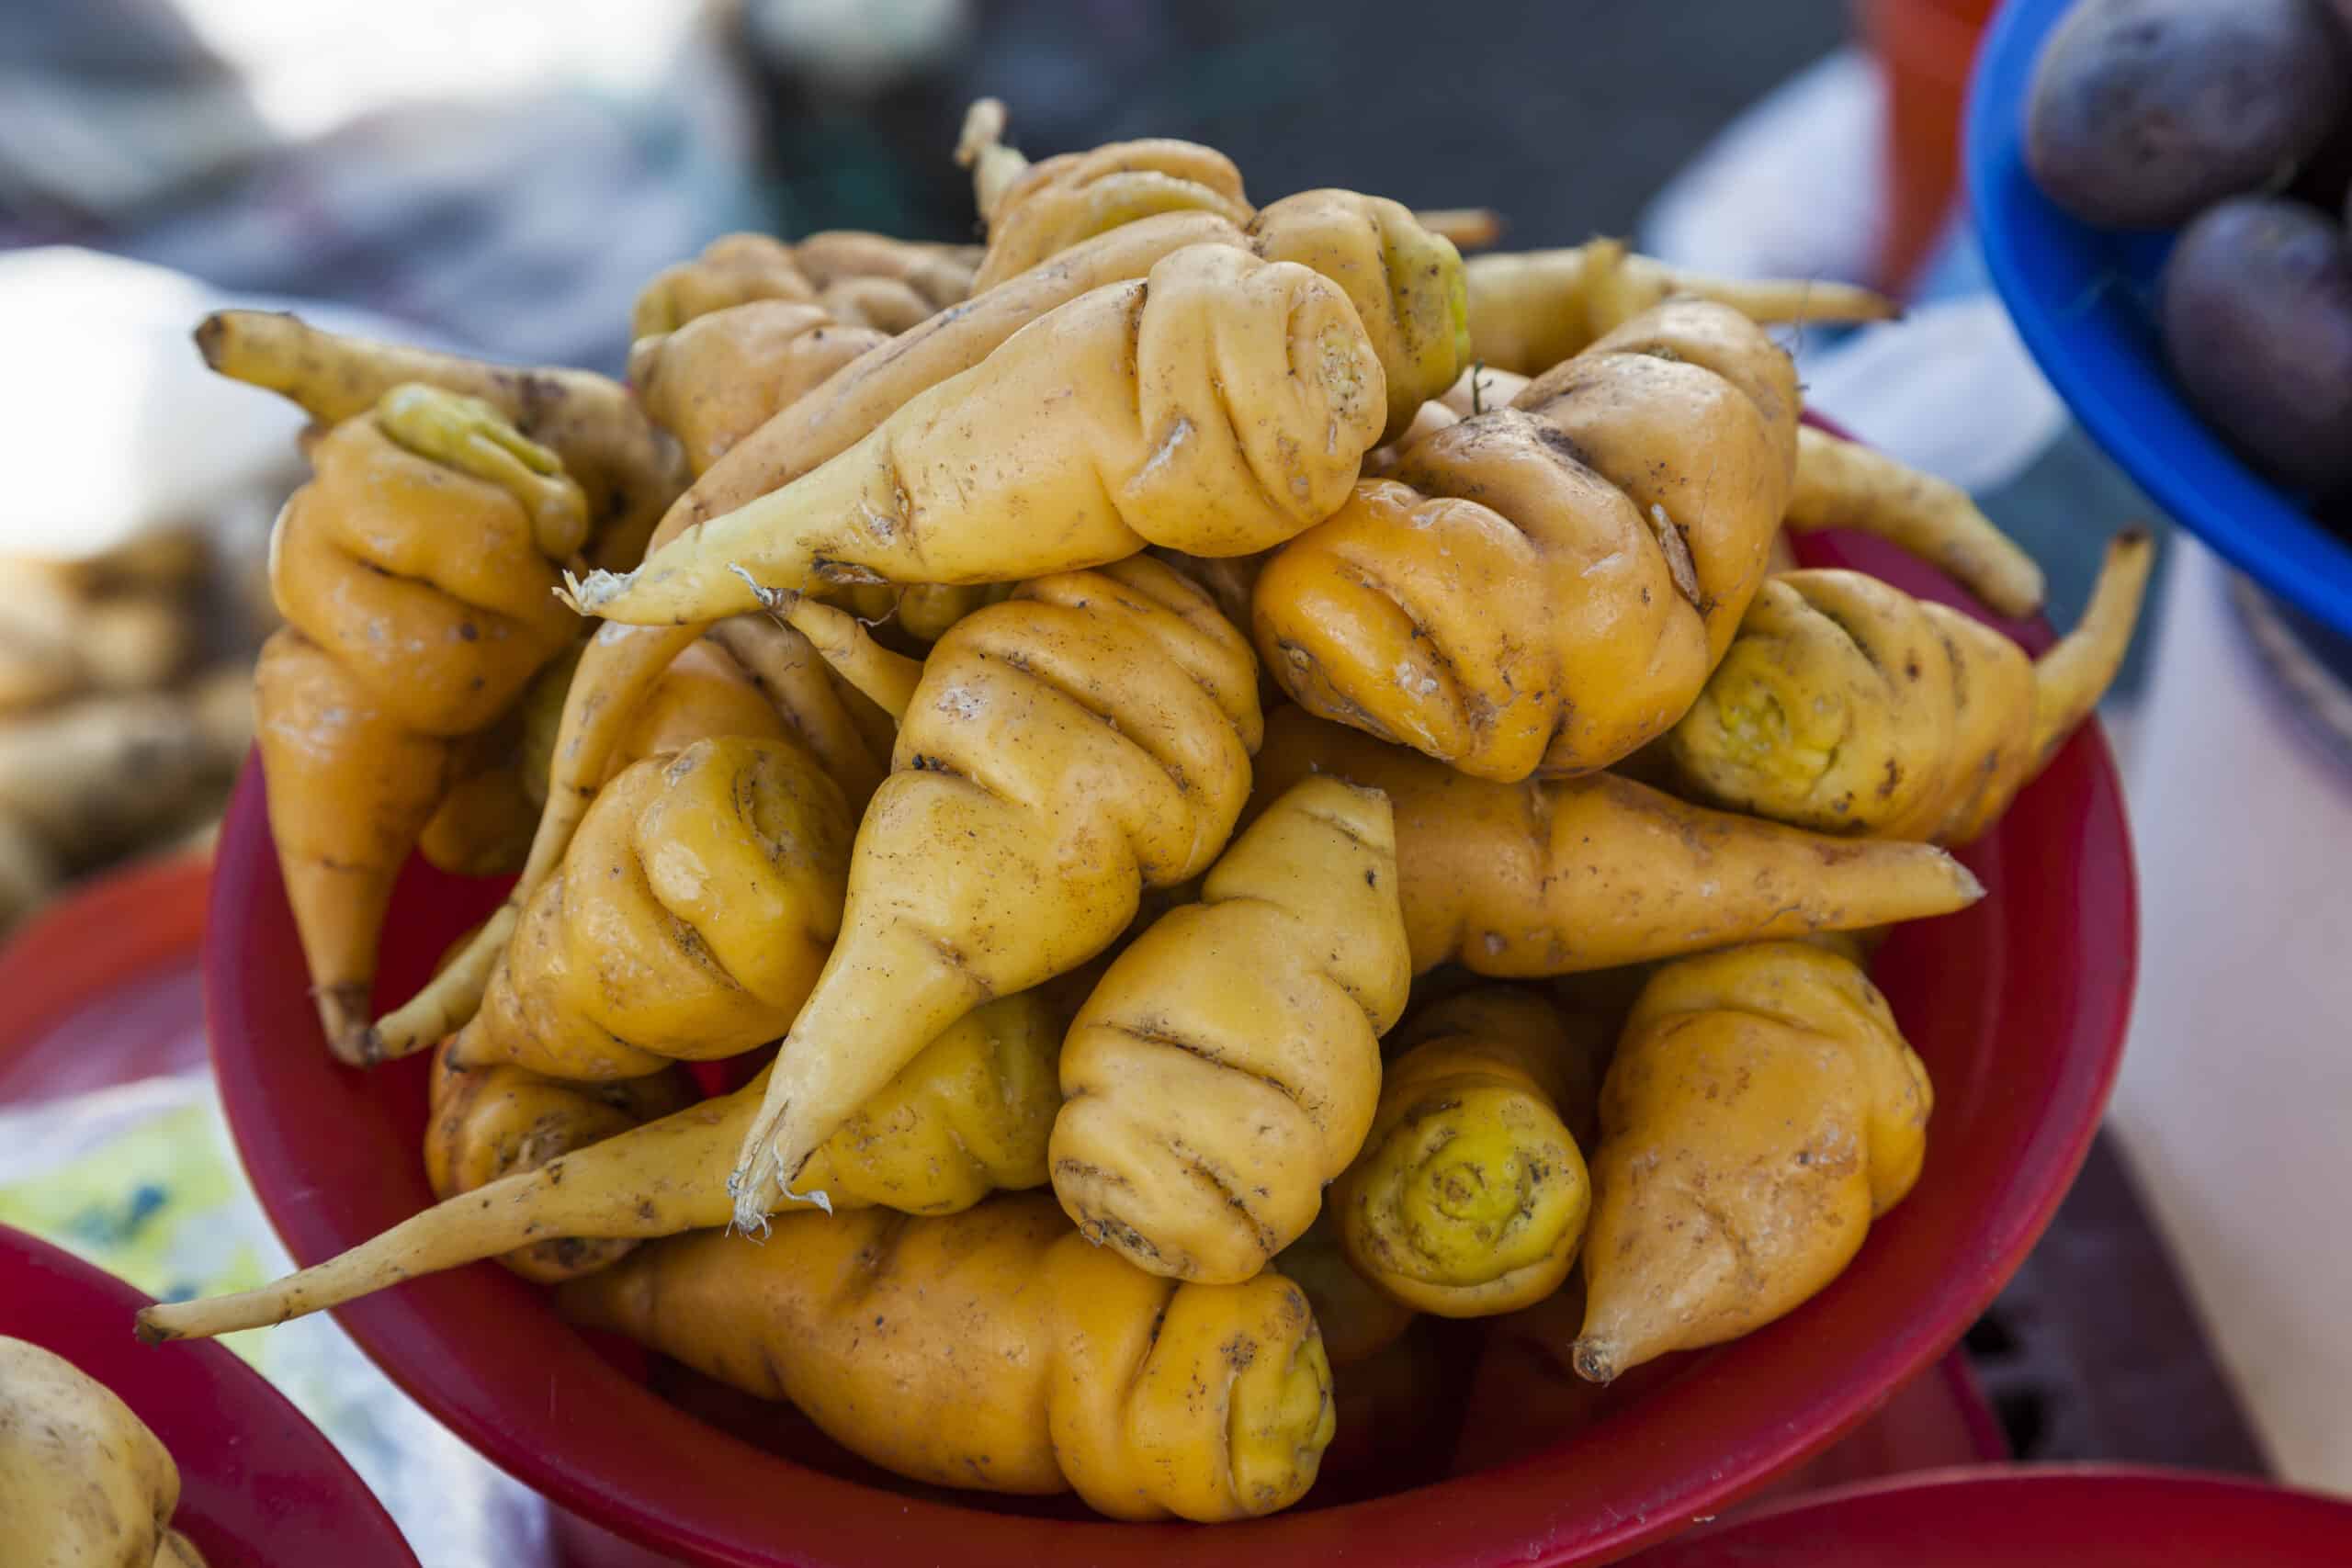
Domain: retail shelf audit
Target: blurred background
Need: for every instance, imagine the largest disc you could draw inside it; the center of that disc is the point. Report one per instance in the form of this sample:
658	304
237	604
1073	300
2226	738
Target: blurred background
442	165
502	177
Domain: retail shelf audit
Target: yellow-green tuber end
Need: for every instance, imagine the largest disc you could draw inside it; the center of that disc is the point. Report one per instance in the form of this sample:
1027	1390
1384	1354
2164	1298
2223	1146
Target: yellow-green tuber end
1407	286
1761	733
1475	1183
1281	1419
469	436
1432	297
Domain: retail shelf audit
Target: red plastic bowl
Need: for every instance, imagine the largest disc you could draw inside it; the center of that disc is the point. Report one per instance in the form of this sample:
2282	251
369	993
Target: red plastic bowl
102	984
258	1483
2017	1007
2070	1517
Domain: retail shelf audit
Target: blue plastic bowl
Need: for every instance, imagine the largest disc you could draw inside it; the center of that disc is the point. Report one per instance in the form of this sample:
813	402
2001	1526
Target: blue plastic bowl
2083	299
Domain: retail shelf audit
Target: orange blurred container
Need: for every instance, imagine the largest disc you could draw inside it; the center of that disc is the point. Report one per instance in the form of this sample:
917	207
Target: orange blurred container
1926	50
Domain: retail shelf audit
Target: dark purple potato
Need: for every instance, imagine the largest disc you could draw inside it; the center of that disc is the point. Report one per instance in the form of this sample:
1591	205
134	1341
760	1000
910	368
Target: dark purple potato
2326	175
2256	314
2145	111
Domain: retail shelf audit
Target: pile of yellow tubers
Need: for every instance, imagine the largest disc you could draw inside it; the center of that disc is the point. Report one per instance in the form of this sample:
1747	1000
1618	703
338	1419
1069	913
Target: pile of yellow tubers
1158	709
120	731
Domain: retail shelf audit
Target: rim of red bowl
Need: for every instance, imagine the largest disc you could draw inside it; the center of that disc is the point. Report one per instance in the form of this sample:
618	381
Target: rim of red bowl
258	1482
2075	1515
485	1355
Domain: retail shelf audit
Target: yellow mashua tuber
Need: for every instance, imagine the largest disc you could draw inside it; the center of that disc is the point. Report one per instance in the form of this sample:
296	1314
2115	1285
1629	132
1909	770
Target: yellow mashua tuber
1839	484
732	270
1848	706
1401	283
420	554
350	788
848	733
967	1117
490	1123
1219	406
997	1349
720	376
1405	282
414	570
83	1481
1544	587
1843	484
859	279
1358	1318
621	662
628	469
1227	1065
884	283
1762	1109
689	921
1037	211
1085	739
750	679
483	824
1558	876
1530	310
1403	275
1470	1195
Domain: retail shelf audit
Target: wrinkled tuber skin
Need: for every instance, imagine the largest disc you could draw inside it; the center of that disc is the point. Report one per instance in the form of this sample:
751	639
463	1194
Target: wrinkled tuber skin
889	285
499	1120
1544	587
414	575
417	556
628	469
743	682
718	874
1848	707
1530	310
82	1478
1563	875
1035	212
720	376
836	269
1839	484
1404	277
1762	1109
566	1178
1469	1198
1398	282
1223	405
998	1349
733	269
1227	1063
1405	282
1065	749
621	662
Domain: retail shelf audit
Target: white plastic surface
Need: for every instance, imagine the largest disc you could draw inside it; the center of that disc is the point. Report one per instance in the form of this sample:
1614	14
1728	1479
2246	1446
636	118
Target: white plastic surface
2235	1098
